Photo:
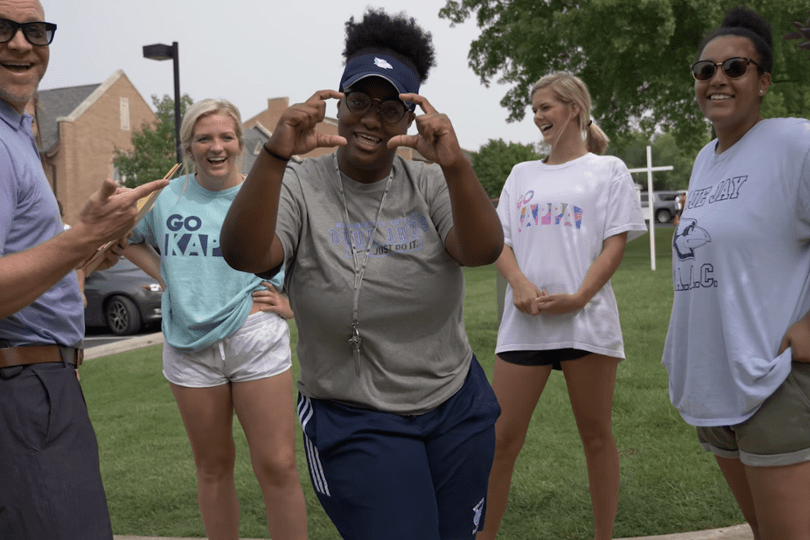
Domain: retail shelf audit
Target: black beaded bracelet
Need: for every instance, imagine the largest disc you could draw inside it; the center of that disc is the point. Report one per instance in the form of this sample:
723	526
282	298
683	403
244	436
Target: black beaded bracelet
273	154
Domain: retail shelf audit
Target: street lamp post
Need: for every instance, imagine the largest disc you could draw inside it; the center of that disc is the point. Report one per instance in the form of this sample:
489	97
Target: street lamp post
160	51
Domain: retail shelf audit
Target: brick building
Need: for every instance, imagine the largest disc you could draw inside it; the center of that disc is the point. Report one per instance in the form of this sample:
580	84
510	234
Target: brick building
268	119
255	136
79	129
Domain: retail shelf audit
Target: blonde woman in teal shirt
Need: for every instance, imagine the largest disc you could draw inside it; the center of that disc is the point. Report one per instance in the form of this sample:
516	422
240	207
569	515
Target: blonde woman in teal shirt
227	345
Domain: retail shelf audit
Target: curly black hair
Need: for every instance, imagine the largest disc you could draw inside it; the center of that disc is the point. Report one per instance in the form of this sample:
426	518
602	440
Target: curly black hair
745	22
397	35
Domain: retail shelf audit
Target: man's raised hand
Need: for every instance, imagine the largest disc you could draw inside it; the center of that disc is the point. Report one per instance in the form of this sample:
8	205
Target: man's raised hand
111	211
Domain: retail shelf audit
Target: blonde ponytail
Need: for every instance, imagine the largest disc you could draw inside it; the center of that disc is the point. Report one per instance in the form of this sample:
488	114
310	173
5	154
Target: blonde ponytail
596	141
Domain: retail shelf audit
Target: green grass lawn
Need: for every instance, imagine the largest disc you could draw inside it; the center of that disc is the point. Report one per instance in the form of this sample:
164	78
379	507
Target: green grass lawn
667	483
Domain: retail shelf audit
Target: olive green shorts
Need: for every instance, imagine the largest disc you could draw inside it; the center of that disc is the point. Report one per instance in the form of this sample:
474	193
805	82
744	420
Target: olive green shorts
779	432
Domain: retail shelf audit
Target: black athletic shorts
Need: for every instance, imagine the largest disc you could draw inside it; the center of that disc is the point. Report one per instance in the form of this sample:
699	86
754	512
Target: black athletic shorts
552	357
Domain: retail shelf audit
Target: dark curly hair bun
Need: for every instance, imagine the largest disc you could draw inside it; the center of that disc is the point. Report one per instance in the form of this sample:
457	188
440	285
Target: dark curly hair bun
745	22
743	17
396	35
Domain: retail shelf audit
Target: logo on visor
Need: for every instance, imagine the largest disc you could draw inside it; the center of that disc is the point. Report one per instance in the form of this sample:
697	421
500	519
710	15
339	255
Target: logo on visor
379	62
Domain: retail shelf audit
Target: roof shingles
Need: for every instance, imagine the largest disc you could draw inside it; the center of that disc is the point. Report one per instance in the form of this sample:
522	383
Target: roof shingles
57	103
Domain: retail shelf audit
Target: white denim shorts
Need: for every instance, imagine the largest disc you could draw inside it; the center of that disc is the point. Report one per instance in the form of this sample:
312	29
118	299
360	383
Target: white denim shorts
259	349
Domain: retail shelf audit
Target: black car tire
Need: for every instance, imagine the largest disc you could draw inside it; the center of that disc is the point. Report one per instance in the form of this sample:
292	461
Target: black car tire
663	216
123	317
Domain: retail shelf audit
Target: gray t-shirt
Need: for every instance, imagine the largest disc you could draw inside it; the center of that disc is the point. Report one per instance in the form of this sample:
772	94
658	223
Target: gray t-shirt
415	353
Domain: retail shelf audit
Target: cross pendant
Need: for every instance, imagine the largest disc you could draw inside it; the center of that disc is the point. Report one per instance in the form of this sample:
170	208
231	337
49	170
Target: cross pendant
355	341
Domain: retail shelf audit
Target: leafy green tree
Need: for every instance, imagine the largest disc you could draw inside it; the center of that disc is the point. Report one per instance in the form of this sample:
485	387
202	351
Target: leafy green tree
803	33
633	55
665	151
493	162
632	149
154	151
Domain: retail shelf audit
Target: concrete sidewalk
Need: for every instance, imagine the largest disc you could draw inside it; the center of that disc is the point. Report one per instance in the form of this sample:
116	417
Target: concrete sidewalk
124	345
736	532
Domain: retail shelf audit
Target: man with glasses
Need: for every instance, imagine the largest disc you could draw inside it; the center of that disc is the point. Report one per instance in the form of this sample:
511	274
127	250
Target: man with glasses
50	485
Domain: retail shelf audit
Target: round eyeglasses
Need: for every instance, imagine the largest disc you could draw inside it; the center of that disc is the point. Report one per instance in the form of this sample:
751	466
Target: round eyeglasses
390	110
733	68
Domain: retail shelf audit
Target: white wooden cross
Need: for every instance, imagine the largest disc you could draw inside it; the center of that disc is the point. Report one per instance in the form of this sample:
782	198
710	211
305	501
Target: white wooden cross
651	205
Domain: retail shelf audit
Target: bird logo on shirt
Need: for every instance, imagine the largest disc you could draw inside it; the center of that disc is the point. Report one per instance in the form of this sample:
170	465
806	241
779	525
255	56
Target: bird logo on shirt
688	237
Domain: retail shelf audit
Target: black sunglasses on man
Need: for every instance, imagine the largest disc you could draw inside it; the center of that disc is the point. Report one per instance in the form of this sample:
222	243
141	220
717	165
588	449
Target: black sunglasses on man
36	33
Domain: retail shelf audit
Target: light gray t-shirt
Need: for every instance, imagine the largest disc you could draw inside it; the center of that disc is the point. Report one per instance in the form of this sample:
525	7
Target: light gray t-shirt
741	273
415	352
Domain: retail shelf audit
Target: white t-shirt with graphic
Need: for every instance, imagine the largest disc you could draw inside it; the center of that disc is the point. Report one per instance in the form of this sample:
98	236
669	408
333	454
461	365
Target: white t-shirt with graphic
741	273
556	218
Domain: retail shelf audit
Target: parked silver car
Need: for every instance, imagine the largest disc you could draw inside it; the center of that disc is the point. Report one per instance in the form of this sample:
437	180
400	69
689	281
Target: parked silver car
665	204
123	298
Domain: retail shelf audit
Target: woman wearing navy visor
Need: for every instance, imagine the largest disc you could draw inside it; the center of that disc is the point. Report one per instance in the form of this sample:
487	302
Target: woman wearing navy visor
397	414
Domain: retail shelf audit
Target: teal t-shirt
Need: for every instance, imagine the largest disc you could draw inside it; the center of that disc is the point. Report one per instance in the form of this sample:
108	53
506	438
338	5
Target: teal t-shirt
206	300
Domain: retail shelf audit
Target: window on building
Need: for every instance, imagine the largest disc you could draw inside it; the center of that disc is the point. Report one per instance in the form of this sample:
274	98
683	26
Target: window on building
124	107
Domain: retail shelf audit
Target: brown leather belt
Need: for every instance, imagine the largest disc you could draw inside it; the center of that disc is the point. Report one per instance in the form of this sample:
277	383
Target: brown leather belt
39	354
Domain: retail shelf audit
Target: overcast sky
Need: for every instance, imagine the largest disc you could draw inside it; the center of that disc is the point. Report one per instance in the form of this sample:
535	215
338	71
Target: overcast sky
247	51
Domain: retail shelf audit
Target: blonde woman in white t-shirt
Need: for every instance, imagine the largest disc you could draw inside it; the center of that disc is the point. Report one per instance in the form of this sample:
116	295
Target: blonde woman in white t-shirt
566	220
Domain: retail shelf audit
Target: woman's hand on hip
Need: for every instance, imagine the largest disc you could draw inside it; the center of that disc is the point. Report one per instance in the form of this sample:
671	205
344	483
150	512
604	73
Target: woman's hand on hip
271	300
798	339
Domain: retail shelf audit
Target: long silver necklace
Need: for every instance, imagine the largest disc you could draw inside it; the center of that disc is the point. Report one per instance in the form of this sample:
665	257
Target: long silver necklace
355	339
